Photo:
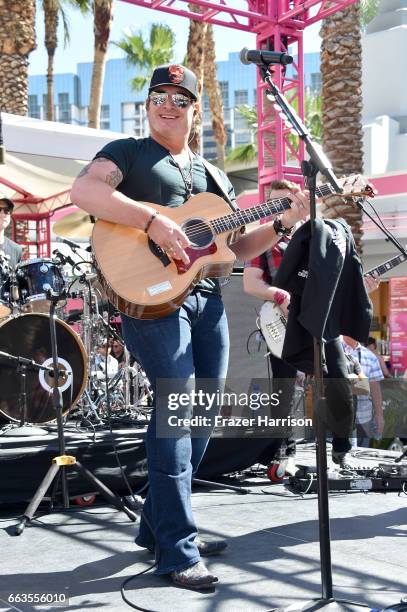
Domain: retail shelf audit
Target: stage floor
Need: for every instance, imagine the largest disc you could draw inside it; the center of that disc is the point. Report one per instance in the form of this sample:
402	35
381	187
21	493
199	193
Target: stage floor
272	560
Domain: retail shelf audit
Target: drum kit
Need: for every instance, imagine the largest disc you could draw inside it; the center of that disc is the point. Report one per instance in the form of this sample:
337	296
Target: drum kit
89	392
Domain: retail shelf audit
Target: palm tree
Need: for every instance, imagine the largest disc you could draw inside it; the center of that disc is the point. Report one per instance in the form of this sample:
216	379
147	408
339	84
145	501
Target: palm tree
215	97
195	61
146	56
103	16
247	153
53	10
342	101
17	40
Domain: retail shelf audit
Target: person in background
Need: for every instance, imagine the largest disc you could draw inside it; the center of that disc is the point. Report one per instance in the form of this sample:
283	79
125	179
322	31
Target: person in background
118	352
258	281
369	409
100	362
10	248
371	344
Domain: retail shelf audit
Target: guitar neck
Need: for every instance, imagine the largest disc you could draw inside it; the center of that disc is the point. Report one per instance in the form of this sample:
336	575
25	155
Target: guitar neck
387	265
270	208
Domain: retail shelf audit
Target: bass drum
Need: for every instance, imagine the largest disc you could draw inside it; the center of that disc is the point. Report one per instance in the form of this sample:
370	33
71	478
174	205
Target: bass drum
29	336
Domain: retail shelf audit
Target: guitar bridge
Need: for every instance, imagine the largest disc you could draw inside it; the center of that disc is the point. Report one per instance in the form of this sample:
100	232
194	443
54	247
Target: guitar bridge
159	253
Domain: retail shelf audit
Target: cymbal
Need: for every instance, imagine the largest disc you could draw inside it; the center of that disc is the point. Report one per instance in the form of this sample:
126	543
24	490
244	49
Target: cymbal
75	225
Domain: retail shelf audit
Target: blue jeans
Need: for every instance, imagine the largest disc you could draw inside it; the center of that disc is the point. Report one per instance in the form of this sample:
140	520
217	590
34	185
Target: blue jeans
192	342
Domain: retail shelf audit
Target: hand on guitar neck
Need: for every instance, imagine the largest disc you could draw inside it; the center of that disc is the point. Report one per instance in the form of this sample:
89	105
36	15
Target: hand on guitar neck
371	282
282	299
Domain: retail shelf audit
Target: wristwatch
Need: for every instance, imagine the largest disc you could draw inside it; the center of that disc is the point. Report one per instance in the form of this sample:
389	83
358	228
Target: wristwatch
280	229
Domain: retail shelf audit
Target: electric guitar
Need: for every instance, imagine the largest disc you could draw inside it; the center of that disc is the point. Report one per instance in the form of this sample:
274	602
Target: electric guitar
143	281
272	321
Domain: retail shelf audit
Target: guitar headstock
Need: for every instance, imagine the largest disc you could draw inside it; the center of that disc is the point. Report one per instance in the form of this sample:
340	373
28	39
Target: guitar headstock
357	186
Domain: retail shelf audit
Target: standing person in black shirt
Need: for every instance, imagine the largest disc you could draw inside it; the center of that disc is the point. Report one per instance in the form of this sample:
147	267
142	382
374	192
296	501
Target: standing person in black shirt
192	343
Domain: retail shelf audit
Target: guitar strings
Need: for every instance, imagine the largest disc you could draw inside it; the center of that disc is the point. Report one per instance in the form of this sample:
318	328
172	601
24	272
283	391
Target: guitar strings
202	228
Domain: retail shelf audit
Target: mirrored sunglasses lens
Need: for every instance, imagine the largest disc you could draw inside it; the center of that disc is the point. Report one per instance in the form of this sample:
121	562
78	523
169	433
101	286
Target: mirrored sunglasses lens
180	100
158	98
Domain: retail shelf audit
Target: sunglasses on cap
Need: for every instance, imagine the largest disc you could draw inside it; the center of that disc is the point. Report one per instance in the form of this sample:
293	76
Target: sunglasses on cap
179	100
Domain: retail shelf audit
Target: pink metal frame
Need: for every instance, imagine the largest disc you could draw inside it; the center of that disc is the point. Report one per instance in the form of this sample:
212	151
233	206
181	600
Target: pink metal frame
251	16
273	22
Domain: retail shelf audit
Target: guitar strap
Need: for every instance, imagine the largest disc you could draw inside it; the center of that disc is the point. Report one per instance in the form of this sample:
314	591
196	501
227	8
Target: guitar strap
216	174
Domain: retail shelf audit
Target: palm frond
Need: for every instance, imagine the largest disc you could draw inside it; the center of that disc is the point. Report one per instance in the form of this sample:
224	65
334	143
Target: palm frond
85	6
139	82
65	23
368	10
244	153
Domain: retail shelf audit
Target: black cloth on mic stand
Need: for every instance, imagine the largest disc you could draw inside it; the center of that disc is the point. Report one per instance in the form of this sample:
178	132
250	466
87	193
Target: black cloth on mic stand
328	294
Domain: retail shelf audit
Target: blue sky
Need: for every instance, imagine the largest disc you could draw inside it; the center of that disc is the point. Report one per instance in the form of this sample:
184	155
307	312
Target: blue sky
80	48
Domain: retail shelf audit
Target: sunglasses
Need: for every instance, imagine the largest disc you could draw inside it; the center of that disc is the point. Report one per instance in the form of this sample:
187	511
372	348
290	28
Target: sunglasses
7	211
178	99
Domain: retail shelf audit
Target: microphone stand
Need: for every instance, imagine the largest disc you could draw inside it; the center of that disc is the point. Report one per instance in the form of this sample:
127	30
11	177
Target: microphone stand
318	162
22	364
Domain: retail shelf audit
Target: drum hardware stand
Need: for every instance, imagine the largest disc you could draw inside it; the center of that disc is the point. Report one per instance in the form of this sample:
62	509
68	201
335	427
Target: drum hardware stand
22	364
63	461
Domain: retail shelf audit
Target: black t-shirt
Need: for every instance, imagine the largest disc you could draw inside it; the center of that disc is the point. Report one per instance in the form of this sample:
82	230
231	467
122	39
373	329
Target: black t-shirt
151	175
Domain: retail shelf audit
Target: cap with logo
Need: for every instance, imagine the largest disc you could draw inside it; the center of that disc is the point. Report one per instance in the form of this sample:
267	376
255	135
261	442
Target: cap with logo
175	74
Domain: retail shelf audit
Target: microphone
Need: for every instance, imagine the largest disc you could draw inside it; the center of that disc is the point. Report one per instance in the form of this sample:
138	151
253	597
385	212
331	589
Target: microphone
73	245
257	56
64	258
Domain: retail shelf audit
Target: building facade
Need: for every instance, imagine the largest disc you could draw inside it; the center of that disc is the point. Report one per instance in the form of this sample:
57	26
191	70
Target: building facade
123	108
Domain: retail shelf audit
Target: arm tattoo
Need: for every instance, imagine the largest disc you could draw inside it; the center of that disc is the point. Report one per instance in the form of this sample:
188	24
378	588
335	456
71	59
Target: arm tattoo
84	170
113	178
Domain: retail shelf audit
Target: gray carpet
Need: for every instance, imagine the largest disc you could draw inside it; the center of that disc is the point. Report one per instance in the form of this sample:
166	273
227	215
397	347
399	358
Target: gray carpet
272	561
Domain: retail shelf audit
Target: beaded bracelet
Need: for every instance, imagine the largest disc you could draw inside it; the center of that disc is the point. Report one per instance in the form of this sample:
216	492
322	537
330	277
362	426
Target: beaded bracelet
151	219
279	297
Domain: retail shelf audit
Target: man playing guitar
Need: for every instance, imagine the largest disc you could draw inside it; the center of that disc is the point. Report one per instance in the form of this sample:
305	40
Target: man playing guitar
191	342
258	281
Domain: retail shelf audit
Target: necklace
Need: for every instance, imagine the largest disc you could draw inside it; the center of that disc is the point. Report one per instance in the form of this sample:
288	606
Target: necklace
187	176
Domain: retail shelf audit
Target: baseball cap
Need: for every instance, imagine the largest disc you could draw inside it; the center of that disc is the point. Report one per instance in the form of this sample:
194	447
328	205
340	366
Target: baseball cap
175	74
6	200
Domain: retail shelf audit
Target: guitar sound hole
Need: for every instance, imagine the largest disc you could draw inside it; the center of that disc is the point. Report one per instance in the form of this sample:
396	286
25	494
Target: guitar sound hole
199	233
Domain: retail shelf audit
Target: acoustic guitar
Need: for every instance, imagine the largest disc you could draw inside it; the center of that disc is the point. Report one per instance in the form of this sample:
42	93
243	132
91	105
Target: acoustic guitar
143	281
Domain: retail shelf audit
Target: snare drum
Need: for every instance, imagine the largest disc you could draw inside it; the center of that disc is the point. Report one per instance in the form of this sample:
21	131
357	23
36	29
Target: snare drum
35	277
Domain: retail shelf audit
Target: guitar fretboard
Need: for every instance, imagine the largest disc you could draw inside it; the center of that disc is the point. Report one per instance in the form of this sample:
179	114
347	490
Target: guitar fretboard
387	265
270	208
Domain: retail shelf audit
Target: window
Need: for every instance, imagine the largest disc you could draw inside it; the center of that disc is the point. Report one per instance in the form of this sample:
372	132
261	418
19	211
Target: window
205	102
224	88
240	122
104	117
33	108
241	97
316	82
242	138
64	108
